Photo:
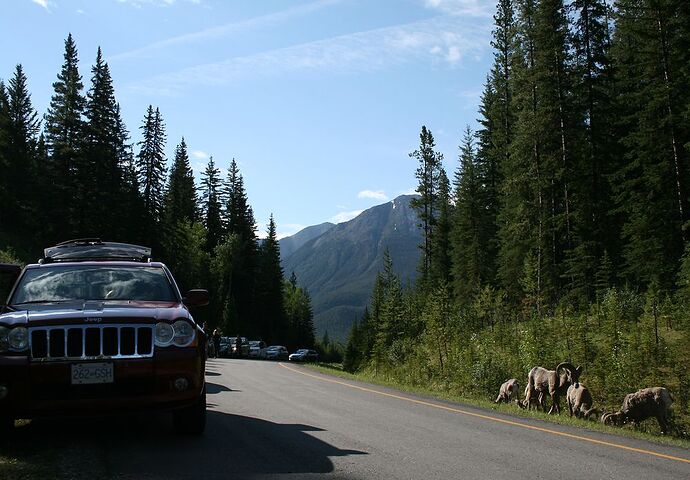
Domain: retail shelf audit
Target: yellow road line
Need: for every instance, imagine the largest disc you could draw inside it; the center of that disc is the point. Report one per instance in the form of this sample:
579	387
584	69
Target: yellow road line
493	419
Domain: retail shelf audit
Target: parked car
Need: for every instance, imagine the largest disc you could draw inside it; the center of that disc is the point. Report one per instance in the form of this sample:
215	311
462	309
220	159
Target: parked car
276	352
224	350
244	347
257	349
304	355
97	328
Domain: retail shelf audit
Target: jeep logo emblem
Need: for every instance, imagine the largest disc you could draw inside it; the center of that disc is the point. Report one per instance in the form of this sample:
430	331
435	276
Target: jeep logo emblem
93	319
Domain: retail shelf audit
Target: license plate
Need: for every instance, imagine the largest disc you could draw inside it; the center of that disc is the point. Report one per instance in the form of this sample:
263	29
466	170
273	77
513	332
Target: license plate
85	373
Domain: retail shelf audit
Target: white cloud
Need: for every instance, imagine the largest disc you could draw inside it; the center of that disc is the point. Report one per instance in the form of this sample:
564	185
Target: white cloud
448	38
81	12
199	154
289	229
225	30
43	3
374	194
410	191
479	8
155	3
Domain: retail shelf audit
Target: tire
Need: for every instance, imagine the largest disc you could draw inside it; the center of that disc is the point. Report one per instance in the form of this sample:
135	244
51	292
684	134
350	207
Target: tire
191	420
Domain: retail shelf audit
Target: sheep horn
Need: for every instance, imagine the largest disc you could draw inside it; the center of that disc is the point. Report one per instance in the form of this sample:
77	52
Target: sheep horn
567	366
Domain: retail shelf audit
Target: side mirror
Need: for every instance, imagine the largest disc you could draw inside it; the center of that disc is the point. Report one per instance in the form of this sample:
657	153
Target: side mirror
196	298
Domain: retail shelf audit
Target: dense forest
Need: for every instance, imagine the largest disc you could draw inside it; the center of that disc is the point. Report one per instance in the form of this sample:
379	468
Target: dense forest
563	233
76	174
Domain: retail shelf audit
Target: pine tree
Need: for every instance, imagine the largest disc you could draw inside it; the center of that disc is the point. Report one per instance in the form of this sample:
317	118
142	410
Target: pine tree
180	194
5	186
651	66
467	249
21	150
64	127
428	170
151	163
211	205
440	265
98	175
271	323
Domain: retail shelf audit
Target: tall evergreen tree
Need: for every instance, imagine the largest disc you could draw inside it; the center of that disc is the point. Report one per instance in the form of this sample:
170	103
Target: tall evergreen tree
651	56
427	174
180	194
271	323
151	163
5	184
64	128
99	176
440	265
20	156
467	248
211	205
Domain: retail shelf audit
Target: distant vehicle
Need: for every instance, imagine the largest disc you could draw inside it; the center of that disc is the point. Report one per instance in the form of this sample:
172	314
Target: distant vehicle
304	355
244	347
276	352
257	349
224	350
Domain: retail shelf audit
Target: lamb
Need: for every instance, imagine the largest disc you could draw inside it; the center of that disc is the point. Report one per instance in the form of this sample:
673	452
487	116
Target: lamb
579	401
509	389
638	406
543	381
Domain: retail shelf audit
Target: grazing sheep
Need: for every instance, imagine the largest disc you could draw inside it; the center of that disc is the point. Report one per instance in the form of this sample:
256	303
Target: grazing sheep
509	389
534	401
638	406
543	381
579	401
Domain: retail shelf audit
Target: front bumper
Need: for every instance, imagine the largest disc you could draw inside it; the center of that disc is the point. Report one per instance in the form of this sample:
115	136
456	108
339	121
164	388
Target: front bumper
38	389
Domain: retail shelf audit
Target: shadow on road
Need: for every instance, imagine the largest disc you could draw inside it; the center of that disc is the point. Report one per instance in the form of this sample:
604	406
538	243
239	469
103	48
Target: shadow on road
213	388
145	446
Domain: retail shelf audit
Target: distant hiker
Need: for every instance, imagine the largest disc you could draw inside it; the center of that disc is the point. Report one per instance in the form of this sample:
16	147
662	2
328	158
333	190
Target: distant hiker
238	345
216	342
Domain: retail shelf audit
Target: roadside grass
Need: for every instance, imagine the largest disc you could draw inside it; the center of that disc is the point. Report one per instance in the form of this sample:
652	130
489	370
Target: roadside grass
562	419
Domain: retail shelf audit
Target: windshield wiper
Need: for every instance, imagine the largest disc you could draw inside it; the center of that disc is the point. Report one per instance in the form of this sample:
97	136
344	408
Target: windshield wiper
46	301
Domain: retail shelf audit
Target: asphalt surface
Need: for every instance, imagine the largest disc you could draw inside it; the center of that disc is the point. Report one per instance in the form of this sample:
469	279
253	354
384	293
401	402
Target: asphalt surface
278	420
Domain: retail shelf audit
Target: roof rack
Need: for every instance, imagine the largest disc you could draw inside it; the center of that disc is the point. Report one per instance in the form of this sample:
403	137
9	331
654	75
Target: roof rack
93	249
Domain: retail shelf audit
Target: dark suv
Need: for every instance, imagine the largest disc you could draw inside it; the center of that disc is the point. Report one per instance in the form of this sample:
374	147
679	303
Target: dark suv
97	328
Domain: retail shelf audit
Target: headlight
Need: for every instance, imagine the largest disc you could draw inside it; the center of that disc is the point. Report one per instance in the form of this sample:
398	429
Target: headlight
4	341
184	333
18	338
164	334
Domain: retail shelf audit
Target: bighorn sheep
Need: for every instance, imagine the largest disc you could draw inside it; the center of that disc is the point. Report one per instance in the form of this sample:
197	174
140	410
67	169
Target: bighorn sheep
509	389
579	401
638	406
543	381
536	401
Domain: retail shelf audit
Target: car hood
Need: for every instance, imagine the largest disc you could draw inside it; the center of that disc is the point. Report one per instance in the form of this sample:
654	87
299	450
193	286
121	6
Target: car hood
94	313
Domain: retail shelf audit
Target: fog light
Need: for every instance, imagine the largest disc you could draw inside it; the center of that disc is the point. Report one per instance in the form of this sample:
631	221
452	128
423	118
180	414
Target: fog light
181	384
3	391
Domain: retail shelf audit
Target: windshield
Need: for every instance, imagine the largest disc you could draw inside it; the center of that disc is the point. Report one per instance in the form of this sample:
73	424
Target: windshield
93	282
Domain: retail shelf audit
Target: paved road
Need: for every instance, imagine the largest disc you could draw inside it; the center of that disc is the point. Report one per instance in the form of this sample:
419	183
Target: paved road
271	420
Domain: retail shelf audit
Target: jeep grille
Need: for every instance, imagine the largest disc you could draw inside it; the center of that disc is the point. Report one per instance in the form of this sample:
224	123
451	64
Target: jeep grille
90	342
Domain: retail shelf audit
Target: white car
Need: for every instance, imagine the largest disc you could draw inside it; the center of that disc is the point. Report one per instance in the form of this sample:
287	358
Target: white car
257	349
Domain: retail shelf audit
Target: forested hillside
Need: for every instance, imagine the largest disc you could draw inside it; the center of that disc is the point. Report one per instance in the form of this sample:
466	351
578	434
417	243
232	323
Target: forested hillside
339	267
76	174
563	232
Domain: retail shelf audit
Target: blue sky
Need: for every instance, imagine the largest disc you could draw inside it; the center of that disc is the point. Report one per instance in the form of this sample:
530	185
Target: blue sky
319	101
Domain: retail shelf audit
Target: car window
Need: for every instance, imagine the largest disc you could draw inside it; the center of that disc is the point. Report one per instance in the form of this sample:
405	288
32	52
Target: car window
93	282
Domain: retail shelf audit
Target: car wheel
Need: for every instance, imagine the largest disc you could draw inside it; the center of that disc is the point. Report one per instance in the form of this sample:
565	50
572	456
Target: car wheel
191	420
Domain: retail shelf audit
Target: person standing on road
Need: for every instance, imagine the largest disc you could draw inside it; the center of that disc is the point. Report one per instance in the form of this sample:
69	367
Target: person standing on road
216	342
238	345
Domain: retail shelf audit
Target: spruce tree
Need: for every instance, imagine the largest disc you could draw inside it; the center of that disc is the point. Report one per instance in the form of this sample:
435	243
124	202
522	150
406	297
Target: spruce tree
64	128
98	174
271	323
211	205
151	163
180	194
21	150
440	266
427	174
